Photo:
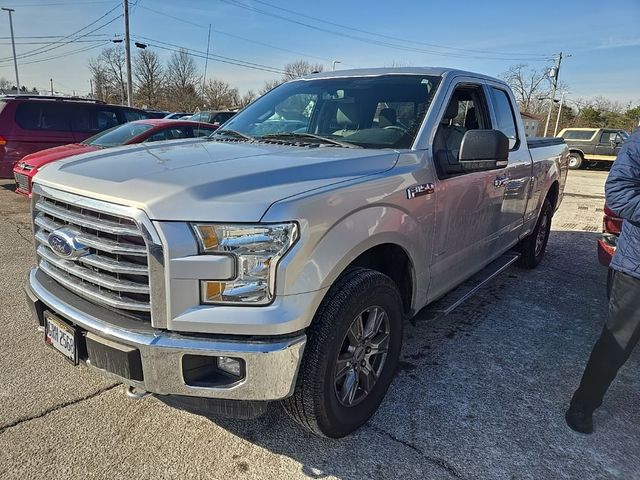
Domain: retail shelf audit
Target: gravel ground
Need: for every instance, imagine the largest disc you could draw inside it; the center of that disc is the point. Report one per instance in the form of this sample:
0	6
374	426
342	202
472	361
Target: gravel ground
481	393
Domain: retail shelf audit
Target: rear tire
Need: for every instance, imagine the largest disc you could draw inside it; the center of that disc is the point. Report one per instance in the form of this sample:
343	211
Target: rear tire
533	247
576	161
325	400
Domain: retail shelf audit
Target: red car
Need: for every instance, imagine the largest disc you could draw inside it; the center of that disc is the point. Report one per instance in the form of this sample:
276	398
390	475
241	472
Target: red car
30	123
611	228
151	130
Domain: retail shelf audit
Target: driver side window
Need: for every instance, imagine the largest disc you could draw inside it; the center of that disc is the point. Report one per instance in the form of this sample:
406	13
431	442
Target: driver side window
466	110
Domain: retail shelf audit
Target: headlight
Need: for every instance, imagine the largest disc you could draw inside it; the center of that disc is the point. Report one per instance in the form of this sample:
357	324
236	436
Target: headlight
256	249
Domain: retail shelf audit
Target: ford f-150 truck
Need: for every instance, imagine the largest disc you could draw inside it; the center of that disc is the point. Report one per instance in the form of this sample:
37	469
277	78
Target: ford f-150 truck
278	259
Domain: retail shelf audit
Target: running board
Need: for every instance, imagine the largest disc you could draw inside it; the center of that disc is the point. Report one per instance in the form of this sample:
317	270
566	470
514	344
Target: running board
466	290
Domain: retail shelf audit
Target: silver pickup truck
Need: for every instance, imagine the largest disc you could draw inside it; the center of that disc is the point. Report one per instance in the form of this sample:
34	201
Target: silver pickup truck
278	259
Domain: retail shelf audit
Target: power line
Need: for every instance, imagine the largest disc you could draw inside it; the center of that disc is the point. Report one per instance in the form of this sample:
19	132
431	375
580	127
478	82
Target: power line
378	34
213	57
66	54
370	40
55	47
238	37
22	5
44	48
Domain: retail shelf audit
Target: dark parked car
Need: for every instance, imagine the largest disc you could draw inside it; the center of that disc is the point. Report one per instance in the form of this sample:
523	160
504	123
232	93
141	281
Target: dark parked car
157	113
29	124
178	115
215	117
152	130
592	145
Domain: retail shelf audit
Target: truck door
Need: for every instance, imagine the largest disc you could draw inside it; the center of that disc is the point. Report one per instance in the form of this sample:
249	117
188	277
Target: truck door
608	145
514	182
468	204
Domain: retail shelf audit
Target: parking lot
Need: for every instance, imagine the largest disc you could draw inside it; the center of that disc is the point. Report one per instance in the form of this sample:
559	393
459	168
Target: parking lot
481	393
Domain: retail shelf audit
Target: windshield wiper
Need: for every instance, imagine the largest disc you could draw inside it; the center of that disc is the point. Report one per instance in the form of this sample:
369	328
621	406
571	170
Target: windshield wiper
313	136
234	133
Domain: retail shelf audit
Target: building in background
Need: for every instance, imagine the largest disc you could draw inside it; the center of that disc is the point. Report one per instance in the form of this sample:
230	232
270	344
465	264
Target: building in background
530	124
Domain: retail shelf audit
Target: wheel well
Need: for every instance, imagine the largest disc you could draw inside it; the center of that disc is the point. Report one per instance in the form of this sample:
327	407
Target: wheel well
393	261
576	151
553	193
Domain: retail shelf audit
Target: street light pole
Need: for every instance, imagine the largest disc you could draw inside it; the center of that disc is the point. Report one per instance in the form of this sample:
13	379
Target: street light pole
13	45
333	65
127	51
555	131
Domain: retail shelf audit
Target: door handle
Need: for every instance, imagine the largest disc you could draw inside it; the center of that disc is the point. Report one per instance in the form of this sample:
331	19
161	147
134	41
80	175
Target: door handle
500	181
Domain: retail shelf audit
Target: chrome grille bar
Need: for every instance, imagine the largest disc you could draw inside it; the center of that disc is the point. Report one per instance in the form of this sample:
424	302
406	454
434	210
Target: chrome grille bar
90	275
93	241
91	292
112	264
86	221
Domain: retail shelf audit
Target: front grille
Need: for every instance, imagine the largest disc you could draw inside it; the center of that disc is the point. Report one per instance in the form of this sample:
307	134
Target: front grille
114	273
22	181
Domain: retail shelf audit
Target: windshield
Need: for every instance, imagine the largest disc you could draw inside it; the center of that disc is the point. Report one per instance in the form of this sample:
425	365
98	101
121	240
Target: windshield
373	112
118	135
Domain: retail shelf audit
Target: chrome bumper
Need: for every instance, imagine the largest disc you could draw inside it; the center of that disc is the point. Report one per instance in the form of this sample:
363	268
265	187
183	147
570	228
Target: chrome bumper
271	366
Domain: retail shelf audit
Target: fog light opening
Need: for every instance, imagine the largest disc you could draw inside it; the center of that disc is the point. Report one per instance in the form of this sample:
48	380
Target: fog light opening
230	365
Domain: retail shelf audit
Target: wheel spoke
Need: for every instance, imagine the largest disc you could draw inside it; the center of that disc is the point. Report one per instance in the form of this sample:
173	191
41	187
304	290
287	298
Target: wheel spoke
343	365
376	316
369	378
379	344
350	387
355	331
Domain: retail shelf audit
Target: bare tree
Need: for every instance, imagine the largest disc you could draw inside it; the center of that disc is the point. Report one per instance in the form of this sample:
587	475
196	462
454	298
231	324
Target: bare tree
149	75
300	68
247	98
219	94
530	86
182	81
270	85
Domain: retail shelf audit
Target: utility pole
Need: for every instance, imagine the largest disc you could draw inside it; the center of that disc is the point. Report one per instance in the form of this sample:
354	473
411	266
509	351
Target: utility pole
127	51
13	46
206	61
51	82
91	86
553	74
555	131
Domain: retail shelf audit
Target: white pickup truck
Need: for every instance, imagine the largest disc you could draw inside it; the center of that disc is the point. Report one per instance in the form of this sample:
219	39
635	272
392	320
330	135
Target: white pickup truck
278	259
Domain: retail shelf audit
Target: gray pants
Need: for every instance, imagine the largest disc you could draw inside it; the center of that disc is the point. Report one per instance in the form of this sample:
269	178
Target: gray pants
617	340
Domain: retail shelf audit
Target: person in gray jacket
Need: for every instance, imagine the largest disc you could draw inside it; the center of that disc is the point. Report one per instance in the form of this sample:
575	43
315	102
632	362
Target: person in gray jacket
622	329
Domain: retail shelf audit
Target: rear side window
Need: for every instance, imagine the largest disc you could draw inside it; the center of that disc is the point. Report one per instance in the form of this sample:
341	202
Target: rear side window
506	121
223	117
172	133
578	134
91	119
42	116
200	117
131	115
202	131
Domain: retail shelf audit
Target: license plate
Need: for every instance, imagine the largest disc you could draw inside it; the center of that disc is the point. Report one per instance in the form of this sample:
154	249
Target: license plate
61	336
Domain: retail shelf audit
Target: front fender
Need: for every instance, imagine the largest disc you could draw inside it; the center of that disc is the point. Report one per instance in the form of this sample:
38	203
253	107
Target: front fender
321	255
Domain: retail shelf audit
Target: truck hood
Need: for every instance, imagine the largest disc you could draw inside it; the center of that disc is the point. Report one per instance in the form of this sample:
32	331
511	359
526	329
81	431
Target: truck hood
209	180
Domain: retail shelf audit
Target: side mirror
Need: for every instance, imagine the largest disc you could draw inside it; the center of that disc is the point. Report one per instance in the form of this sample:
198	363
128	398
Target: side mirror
484	150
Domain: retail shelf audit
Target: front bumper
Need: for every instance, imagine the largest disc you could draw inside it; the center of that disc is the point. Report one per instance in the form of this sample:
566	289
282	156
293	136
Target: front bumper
270	366
606	249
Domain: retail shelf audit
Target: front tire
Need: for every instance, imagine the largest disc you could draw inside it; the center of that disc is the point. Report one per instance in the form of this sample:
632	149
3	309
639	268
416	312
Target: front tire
352	352
576	161
533	247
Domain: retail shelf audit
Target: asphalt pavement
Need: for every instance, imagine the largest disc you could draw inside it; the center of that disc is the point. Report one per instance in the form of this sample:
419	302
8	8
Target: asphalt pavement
481	393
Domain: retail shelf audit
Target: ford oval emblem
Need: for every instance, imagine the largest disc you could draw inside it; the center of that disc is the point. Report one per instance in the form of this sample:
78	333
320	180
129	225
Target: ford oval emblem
64	243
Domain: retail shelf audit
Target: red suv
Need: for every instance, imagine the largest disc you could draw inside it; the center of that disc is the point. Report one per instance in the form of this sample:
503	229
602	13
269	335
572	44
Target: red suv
30	123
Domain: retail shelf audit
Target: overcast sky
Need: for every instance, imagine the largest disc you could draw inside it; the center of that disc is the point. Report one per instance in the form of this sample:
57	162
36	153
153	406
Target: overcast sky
603	38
